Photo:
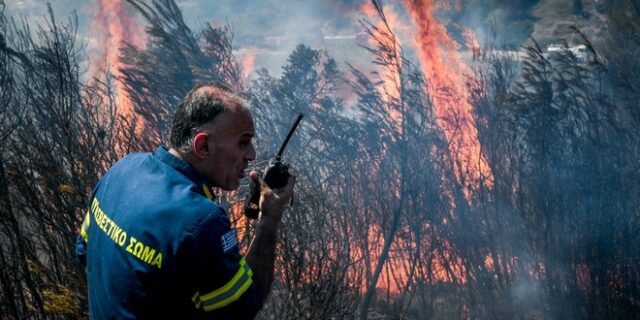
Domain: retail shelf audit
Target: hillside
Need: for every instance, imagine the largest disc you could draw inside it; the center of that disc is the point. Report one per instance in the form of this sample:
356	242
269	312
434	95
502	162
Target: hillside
555	19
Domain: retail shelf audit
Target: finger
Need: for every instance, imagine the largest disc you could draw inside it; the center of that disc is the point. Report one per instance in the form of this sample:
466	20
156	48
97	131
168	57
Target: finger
264	188
287	191
291	182
254	175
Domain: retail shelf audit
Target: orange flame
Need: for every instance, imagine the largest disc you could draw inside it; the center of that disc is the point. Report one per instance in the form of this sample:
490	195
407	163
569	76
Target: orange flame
471	41
441	265
445	70
113	26
389	87
247	58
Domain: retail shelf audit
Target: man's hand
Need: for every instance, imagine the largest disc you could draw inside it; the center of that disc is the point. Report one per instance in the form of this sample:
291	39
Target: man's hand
261	253
274	202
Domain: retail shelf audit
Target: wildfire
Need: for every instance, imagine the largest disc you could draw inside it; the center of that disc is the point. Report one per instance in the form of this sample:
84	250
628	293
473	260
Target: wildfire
471	41
445	72
445	69
247	58
389	88
113	26
440	265
391	78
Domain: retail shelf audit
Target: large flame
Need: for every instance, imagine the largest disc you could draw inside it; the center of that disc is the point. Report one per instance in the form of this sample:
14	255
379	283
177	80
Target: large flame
112	27
445	71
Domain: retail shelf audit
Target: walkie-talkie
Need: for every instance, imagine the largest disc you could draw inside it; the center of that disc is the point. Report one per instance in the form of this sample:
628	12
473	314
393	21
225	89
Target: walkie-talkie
276	175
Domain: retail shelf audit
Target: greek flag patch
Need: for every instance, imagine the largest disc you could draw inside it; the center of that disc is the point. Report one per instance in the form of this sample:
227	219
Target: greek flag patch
229	240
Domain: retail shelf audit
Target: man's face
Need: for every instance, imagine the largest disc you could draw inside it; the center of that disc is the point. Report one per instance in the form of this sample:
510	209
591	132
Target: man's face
231	148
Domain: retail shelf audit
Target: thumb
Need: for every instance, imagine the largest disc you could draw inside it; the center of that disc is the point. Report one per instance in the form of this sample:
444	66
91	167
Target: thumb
255	176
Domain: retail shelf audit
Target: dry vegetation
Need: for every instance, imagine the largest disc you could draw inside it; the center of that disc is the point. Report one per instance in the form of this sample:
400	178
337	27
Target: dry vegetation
378	205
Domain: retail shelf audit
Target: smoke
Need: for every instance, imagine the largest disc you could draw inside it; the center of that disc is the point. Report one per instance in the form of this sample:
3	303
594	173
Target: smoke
271	26
275	28
527	294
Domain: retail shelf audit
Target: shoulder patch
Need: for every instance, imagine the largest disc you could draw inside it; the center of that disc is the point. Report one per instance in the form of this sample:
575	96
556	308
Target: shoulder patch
229	240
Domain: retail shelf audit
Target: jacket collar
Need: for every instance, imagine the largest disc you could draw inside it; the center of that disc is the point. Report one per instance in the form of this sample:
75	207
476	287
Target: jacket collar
163	154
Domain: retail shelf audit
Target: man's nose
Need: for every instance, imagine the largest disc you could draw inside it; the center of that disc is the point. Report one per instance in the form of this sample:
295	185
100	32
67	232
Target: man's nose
251	155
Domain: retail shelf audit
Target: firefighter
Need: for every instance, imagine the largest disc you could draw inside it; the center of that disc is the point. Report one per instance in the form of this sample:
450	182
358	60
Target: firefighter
154	241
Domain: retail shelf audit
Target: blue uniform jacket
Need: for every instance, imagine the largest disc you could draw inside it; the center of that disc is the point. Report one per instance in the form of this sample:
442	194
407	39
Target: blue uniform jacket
156	246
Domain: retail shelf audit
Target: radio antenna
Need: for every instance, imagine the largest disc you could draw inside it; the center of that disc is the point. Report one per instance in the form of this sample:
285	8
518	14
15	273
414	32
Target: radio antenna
284	144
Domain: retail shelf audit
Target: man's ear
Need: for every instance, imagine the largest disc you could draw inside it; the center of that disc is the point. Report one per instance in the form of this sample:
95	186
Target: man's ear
201	145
